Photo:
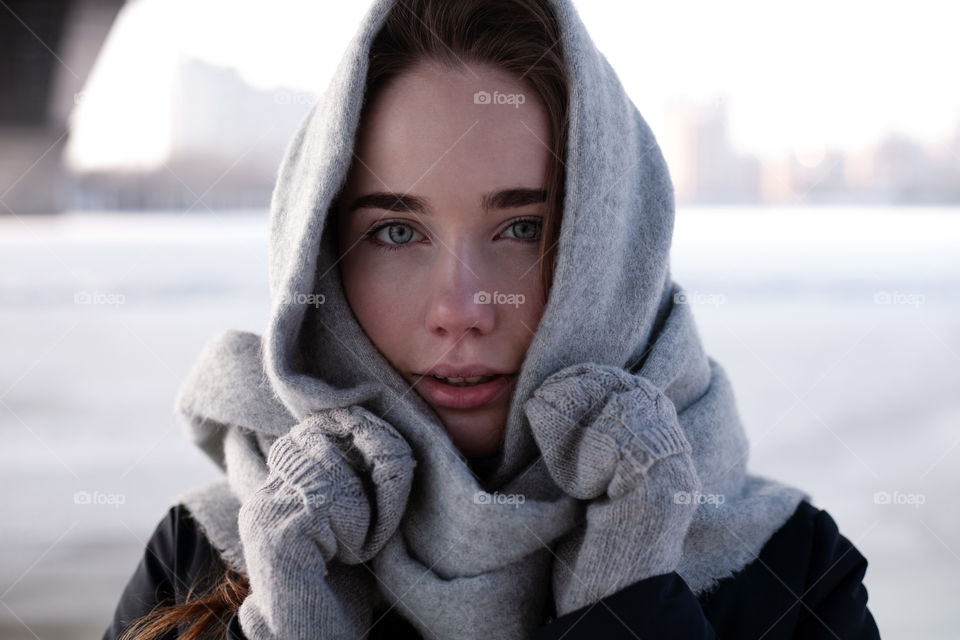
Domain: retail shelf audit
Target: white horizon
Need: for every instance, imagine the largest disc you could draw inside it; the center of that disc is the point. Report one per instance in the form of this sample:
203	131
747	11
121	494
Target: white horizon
820	76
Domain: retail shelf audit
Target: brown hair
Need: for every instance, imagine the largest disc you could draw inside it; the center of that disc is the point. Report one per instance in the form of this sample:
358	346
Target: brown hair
521	36
208	606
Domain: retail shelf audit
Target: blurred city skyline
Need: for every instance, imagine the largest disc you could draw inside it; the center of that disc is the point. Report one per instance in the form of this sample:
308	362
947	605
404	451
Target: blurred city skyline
814	75
226	140
189	105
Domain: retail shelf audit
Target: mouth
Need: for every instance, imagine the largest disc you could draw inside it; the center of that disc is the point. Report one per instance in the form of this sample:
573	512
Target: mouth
466	382
464	393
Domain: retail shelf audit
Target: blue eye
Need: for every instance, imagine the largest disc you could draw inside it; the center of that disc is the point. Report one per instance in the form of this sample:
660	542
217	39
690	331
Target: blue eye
529	225
396	242
407	235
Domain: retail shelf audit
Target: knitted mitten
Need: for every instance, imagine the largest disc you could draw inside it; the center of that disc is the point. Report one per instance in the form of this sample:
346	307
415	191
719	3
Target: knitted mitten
612	437
337	487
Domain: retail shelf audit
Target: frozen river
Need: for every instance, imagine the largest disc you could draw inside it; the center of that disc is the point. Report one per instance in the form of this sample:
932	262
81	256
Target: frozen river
839	327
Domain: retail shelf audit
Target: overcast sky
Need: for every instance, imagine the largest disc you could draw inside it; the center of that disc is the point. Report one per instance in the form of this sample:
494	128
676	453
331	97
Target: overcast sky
803	75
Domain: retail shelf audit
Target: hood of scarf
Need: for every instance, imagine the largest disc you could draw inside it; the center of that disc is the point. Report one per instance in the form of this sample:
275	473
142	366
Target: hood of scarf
612	302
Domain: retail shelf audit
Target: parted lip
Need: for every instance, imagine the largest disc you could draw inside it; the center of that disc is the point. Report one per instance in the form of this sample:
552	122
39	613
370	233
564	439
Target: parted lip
464	371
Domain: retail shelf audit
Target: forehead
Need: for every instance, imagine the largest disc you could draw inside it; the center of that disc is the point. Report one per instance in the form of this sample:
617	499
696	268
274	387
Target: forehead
438	129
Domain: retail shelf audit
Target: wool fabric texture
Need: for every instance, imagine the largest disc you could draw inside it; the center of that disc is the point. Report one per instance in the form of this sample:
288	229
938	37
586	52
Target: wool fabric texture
342	494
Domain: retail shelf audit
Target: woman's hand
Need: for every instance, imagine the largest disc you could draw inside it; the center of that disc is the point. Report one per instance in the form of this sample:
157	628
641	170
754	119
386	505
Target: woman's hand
337	487
613	438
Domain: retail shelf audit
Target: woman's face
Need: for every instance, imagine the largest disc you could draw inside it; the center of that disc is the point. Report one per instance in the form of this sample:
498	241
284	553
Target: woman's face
438	232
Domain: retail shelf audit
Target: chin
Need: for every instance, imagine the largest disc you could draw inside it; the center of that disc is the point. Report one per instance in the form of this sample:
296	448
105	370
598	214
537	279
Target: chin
475	444
480	452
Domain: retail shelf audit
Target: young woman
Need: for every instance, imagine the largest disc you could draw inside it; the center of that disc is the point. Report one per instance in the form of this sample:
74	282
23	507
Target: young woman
481	408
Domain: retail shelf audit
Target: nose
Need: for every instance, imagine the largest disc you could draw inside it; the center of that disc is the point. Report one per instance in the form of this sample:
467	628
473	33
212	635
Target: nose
458	302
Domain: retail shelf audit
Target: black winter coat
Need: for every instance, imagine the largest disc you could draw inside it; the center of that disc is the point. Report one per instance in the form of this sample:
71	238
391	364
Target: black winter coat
806	583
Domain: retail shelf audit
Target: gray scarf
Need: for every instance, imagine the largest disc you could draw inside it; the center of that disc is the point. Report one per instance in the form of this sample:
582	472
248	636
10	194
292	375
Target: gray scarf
455	562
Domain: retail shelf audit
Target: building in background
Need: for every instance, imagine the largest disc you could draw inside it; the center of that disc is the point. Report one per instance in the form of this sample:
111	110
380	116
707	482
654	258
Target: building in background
221	140
227	142
706	167
47	48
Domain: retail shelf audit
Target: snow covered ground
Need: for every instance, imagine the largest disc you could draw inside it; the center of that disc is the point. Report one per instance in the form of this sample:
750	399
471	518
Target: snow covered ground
839	327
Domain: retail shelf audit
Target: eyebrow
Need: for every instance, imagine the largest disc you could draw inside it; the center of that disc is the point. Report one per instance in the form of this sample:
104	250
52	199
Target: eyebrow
505	199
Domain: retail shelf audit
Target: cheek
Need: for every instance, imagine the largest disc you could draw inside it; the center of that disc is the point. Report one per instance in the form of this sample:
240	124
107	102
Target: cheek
520	274
388	293
380	295
527	316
